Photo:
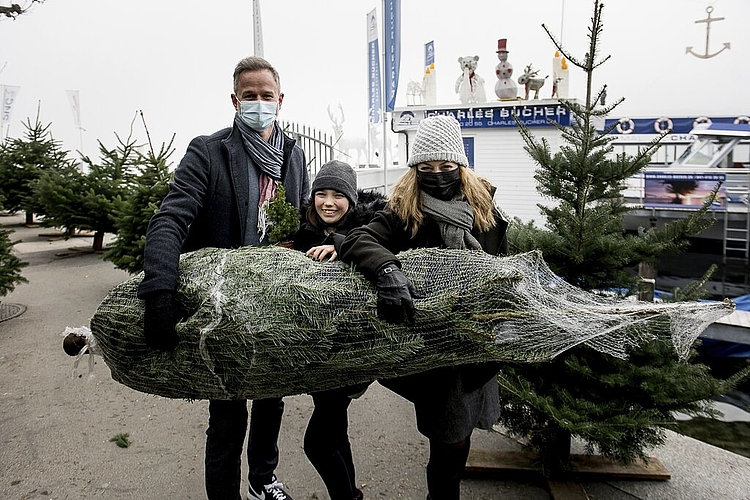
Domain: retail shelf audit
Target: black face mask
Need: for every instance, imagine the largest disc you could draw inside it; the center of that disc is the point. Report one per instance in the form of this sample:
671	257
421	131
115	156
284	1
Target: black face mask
442	185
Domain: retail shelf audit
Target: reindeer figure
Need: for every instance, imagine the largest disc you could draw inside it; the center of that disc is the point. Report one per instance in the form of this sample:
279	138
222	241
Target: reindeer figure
530	83
414	94
344	146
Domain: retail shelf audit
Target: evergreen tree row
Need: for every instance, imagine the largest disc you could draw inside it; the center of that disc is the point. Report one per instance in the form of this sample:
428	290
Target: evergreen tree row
116	194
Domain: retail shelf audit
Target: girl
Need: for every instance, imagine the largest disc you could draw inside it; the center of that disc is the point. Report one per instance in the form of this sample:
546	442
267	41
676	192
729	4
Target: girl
332	212
439	202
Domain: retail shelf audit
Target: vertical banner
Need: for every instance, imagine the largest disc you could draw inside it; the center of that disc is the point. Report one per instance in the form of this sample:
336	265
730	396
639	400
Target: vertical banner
429	79
374	101
469	150
75	106
429	55
257	30
10	92
392	41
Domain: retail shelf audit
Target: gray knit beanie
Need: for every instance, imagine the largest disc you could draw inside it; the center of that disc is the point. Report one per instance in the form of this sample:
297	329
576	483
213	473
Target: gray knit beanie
338	176
438	138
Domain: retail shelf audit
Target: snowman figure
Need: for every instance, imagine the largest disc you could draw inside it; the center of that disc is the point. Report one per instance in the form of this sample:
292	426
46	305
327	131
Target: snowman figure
505	88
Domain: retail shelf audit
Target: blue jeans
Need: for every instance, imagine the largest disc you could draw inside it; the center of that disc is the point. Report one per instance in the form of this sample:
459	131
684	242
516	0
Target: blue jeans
225	436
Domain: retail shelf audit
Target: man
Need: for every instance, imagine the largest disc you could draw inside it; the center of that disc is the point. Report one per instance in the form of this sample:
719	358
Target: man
218	199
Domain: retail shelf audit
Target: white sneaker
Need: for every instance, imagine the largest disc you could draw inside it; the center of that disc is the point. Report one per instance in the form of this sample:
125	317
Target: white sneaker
271	491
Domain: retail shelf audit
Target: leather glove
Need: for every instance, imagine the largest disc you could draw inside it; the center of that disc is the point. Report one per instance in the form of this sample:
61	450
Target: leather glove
396	295
159	320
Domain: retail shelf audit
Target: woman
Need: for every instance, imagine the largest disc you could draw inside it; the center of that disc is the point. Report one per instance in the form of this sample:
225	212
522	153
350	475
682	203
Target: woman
439	202
332	212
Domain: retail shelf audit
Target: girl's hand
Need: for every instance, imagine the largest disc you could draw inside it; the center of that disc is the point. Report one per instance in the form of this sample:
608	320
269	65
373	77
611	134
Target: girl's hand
320	252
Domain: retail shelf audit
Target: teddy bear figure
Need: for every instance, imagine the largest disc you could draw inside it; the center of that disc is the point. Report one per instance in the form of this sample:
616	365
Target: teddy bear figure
470	86
505	87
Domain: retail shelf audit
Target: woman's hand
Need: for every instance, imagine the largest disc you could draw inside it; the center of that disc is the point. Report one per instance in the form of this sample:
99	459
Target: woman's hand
320	252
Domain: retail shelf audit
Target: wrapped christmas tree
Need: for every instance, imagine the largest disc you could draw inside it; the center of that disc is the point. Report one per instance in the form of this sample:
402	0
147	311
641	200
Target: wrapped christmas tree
269	321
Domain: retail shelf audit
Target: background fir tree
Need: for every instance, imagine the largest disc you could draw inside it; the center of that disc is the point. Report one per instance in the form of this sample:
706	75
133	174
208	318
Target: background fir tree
617	407
76	200
23	161
131	217
584	240
10	265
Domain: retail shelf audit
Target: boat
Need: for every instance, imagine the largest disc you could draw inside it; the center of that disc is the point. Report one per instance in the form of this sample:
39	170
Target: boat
713	152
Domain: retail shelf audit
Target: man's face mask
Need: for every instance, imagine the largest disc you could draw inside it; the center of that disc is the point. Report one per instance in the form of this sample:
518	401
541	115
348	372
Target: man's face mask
258	115
441	185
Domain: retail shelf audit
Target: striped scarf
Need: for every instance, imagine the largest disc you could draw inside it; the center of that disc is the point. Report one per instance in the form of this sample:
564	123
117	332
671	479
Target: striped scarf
268	156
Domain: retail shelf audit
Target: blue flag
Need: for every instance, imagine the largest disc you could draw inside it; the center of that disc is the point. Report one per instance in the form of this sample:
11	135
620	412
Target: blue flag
374	102
392	41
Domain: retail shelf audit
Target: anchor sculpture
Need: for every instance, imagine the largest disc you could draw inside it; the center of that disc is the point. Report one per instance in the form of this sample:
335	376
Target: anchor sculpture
708	22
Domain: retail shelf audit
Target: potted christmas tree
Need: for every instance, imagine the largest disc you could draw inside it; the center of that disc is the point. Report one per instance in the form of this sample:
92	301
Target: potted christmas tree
283	219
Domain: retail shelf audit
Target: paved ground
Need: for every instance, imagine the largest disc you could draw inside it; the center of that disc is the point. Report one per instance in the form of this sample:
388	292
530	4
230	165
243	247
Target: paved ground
55	427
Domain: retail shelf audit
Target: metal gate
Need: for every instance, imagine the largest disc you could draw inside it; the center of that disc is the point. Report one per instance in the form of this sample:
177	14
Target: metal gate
317	145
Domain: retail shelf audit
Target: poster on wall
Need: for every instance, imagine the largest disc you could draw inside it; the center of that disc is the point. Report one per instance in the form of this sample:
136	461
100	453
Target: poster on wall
682	191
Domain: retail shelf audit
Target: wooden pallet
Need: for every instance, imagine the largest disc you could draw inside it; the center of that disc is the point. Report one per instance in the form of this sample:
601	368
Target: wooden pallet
517	465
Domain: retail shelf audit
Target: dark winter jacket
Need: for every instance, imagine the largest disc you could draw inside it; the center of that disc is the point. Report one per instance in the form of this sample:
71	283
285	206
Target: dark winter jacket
371	246
208	202
449	402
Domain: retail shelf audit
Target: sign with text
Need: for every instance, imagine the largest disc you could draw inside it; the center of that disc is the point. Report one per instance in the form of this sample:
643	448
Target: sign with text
531	115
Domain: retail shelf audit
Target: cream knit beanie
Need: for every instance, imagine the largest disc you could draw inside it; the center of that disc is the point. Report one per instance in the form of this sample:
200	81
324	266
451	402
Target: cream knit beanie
438	138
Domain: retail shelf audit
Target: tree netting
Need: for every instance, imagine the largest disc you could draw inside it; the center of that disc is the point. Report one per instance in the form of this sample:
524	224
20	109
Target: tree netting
268	321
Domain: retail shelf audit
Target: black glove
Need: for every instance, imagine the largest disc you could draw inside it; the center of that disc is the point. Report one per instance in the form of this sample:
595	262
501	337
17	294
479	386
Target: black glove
396	295
159	320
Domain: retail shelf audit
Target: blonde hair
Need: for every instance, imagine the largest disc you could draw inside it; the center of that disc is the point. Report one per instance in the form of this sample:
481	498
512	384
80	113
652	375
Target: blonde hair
405	200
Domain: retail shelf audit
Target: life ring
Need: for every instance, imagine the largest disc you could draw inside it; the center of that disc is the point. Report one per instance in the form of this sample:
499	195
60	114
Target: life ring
623	130
663	130
701	120
742	119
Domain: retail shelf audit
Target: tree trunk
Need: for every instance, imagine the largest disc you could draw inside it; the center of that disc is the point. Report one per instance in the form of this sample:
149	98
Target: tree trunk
98	241
556	459
29	218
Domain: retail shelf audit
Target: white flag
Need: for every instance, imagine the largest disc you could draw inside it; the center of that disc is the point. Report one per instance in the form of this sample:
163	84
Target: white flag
258	30
10	92
75	106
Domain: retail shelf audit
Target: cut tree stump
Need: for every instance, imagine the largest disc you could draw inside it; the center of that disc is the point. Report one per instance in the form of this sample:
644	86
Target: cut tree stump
518	465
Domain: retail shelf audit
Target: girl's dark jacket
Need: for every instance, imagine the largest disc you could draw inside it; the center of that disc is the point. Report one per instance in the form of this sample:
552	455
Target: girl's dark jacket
368	204
449	402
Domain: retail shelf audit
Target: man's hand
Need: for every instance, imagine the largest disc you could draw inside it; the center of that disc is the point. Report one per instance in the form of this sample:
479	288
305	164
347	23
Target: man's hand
396	295
161	316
